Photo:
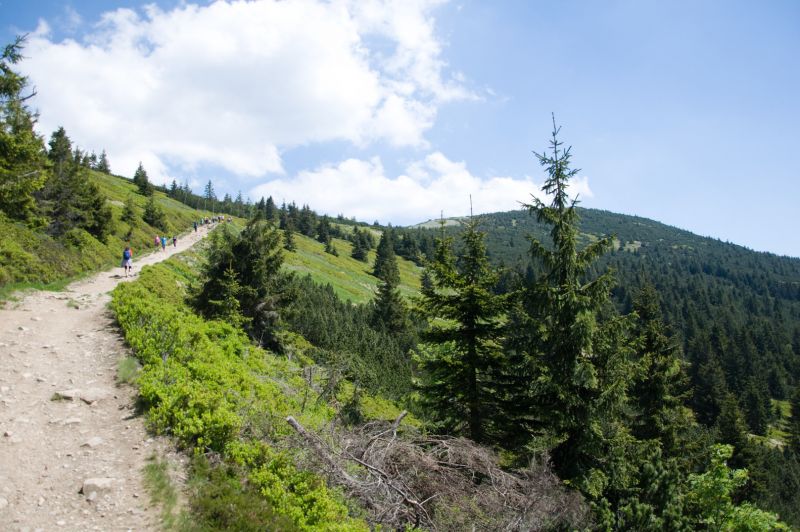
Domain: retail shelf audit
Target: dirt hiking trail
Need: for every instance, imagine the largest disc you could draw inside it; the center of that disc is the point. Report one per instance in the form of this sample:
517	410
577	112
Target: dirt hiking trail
71	449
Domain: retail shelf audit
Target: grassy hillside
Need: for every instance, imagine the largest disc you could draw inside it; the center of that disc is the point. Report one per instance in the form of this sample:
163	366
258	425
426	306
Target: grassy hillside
31	258
351	279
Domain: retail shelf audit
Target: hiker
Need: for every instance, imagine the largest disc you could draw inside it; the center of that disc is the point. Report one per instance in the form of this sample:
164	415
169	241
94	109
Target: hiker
127	260
174	241
163	243
156	241
195	226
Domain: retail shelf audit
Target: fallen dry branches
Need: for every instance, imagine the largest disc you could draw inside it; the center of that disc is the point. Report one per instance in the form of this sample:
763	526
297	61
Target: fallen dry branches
441	483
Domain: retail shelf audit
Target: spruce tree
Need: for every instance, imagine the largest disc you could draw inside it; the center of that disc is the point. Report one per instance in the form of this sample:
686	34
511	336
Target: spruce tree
660	385
60	152
389	311
574	362
324	230
756	406
153	215
129	211
210	197
288	238
270	210
385	267
360	245
69	198
465	322
142	182
102	163
22	153
794	423
247	267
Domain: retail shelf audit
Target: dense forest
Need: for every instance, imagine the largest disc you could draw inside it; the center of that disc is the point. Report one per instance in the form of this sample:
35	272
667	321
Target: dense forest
559	367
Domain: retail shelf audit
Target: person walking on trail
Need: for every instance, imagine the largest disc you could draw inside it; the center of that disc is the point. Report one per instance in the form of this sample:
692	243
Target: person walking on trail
163	243
174	241
127	260
195	227
156	241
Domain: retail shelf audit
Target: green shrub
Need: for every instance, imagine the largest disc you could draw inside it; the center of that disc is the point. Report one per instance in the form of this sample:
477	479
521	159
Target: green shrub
204	383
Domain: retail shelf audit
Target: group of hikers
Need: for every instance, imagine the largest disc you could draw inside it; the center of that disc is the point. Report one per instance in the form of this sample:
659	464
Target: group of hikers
127	254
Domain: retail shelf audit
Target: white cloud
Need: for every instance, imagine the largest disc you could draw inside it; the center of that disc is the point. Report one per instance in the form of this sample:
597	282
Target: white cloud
361	188
234	83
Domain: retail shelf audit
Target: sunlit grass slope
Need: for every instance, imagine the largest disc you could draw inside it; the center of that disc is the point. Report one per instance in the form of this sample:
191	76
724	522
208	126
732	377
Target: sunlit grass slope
31	258
351	279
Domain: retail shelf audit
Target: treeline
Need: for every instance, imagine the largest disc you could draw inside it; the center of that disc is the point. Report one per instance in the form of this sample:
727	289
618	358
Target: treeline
43	186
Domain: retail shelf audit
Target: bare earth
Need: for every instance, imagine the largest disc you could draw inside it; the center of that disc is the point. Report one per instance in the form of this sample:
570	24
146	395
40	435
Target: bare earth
50	450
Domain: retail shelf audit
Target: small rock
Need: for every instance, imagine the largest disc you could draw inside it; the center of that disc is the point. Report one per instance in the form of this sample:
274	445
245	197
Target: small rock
67	394
36	318
27	375
93	442
72	421
8	434
41	379
23	329
61	522
92	487
92	395
40	501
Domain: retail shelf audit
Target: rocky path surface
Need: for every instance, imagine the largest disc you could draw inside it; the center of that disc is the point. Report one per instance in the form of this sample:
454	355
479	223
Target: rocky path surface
72	449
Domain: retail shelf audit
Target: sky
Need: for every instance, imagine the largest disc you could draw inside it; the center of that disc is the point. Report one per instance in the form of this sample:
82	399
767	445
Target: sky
686	112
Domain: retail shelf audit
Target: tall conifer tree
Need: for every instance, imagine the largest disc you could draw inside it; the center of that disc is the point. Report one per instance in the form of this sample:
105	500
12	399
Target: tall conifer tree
575	364
22	154
141	180
465	323
385	267
660	384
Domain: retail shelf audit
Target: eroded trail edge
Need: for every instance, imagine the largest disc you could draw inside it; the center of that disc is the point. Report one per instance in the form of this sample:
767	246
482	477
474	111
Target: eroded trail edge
72	449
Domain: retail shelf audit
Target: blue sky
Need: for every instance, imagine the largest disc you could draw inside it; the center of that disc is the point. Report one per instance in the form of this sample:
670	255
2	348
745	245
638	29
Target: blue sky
685	112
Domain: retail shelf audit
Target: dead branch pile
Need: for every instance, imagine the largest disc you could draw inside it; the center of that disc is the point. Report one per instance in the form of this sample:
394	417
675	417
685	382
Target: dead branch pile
441	483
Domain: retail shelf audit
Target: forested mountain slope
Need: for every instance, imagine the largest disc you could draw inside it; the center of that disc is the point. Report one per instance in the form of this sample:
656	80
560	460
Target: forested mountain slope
728	306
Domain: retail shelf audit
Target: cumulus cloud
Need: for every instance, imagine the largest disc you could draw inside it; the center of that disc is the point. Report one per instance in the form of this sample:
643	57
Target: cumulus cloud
235	83
361	188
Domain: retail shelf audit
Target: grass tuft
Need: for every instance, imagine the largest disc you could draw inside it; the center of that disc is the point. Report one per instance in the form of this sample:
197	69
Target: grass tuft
127	370
162	492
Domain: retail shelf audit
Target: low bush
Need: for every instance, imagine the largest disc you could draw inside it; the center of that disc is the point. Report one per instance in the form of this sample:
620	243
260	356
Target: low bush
204	383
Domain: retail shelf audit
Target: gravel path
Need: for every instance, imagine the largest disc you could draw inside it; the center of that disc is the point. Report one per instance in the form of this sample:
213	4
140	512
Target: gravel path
74	462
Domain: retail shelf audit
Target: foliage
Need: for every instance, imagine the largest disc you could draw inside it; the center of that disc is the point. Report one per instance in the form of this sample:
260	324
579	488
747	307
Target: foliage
660	386
346	341
153	215
203	382
222	499
385	267
142	182
70	199
22	160
246	268
794	427
709	498
576	358
465	321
